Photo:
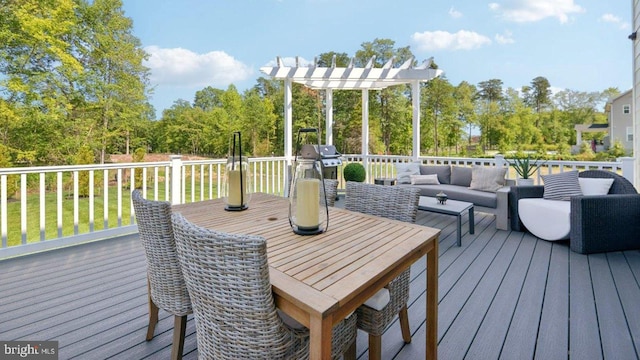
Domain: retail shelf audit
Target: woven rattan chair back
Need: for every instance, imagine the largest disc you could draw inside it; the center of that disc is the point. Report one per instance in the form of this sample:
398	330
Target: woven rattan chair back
167	289
620	184
228	279
392	202
331	187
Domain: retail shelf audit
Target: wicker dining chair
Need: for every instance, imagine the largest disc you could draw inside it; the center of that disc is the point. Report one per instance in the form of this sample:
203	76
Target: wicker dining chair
393	202
236	318
331	188
166	286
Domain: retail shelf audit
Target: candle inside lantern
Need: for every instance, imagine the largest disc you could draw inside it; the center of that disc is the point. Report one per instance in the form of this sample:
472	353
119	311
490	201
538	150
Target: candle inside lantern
307	203
234	188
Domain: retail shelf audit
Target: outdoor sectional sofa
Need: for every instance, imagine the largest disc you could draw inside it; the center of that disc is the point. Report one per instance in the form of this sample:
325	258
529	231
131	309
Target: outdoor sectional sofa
458	183
597	223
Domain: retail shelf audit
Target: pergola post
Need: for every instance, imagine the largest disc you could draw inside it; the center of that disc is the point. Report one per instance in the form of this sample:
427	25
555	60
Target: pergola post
365	128
415	98
329	117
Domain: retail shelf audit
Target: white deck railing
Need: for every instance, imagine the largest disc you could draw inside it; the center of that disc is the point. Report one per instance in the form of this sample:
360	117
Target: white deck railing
63	205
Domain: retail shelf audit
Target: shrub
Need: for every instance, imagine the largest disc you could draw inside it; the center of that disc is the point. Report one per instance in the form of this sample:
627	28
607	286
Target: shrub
354	172
84	156
138	156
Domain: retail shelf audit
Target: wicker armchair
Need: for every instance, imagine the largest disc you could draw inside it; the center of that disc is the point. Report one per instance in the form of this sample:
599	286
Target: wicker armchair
394	202
236	318
167	289
599	223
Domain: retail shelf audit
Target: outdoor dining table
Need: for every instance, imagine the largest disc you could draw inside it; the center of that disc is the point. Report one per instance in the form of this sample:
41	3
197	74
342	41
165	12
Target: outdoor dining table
320	279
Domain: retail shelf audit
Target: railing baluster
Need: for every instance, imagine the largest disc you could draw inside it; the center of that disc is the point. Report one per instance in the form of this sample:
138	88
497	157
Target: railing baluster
23	207
75	203
3	211
43	218
60	193
119	197
105	196
91	201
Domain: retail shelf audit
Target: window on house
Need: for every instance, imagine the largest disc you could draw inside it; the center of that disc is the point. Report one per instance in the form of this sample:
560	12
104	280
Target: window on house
629	133
626	109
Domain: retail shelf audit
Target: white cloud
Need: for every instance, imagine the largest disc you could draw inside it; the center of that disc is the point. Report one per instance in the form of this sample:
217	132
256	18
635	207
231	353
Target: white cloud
505	38
535	10
610	18
443	40
182	67
455	13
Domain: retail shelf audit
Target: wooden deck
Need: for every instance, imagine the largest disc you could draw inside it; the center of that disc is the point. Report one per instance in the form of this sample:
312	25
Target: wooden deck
503	295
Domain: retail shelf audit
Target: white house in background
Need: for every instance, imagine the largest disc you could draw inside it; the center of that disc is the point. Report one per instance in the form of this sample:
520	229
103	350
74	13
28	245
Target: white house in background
619	126
621	120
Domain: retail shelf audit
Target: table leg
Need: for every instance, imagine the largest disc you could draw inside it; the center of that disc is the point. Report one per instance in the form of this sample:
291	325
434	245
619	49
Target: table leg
472	222
320	331
432	303
459	229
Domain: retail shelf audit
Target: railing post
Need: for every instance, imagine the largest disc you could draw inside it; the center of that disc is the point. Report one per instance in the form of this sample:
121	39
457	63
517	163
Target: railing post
176	179
628	166
500	161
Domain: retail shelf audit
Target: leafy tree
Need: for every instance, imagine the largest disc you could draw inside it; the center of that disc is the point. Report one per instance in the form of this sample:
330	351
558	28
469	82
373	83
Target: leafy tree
386	109
617	150
114	81
83	157
538	95
208	98
5	162
260	121
490	93
440	111
464	98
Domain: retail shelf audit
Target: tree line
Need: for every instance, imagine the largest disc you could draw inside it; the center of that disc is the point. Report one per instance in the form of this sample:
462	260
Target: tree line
72	82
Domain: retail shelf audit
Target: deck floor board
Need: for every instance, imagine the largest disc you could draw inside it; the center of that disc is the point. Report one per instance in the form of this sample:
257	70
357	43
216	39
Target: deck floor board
501	295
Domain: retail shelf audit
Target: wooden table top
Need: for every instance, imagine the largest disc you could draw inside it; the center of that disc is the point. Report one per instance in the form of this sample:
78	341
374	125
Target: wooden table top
340	268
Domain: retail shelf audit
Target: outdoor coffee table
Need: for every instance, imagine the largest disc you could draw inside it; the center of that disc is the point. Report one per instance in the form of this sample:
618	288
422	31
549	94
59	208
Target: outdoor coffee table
450	207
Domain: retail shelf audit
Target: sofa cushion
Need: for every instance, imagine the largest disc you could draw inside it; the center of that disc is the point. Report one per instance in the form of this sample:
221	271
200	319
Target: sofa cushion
461	176
424	179
460	193
405	170
443	172
487	178
561	186
546	219
595	186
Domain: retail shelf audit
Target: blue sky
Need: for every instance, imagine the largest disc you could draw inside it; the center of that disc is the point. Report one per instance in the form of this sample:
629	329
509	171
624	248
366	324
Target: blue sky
580	45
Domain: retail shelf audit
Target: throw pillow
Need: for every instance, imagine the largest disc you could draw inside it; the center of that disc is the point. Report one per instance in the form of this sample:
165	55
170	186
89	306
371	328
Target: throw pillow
489	179
461	176
443	171
561	186
425	179
595	186
405	170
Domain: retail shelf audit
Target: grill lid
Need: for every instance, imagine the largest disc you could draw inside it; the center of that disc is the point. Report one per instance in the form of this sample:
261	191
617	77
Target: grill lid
329	156
329	151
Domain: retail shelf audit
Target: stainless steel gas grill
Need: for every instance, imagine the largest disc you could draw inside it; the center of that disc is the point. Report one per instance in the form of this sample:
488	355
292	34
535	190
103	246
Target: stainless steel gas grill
330	160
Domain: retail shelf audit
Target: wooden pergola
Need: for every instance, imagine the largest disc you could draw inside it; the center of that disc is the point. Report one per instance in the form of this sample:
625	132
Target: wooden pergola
351	78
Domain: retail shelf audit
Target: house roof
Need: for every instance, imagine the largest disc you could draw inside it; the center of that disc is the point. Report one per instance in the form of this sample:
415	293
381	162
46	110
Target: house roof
611	100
